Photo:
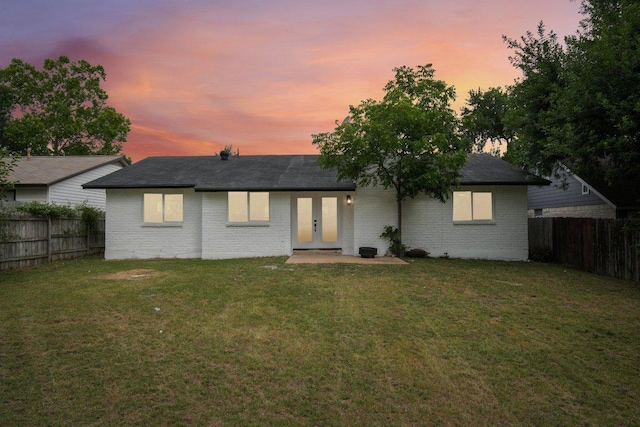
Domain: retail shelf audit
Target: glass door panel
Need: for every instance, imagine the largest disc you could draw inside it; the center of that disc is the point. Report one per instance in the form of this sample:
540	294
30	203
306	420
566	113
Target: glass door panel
329	219
305	219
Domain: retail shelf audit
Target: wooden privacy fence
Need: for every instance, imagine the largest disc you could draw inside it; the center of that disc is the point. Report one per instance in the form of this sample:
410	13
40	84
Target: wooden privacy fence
31	241
603	246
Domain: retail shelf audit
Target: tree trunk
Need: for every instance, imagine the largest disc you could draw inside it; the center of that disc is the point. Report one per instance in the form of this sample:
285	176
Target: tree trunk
400	220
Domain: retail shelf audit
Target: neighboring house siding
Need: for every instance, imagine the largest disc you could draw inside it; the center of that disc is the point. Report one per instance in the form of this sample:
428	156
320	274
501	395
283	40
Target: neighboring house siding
554	201
222	240
428	224
31	194
70	190
590	211
128	238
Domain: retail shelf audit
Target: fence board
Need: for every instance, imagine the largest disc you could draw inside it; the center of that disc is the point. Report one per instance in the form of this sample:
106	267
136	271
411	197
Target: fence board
31	241
603	246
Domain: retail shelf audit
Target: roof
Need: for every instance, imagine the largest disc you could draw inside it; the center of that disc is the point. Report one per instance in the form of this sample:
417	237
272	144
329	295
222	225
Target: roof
238	173
48	170
485	169
279	173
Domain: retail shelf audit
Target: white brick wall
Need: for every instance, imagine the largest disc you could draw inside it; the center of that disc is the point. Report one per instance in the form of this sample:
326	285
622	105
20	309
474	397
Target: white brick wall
127	237
348	216
205	233
428	224
374	208
220	240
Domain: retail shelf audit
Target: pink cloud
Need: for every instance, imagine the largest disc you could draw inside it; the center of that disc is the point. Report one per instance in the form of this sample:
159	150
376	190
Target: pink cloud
264	76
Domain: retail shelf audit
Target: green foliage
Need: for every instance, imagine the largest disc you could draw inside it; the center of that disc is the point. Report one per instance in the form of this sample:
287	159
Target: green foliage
408	141
393	234
60	110
6	107
578	105
483	121
7	162
88	214
47	210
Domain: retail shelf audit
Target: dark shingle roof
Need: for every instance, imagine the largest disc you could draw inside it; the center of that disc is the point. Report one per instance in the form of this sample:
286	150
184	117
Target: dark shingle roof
278	173
243	173
48	170
485	169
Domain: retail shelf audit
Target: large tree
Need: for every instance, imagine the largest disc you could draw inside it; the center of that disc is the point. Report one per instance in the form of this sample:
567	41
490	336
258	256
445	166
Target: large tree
577	104
483	121
61	109
408	141
7	159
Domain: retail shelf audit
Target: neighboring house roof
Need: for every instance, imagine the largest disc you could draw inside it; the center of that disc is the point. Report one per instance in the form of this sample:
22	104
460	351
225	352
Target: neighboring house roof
42	171
567	191
279	173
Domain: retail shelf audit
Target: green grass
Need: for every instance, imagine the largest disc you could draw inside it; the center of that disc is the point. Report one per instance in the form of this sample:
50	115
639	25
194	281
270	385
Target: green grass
259	342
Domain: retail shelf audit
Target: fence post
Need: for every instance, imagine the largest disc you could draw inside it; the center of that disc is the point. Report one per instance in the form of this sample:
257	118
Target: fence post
49	250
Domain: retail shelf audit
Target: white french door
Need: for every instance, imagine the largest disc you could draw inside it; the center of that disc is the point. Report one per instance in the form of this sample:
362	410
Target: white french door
316	222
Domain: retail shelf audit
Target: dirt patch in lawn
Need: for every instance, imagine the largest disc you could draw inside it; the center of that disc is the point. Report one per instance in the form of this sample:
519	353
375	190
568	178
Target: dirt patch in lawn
136	274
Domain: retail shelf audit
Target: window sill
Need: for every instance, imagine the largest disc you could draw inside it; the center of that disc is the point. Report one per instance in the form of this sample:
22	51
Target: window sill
162	224
249	224
477	222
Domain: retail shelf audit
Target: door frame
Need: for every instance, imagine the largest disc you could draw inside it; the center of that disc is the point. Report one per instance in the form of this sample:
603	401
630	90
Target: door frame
317	214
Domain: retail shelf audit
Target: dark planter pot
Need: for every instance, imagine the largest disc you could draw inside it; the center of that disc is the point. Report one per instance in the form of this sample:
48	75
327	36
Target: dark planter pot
367	252
224	155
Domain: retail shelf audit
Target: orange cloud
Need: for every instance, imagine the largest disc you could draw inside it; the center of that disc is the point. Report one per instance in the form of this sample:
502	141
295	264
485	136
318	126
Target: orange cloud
194	77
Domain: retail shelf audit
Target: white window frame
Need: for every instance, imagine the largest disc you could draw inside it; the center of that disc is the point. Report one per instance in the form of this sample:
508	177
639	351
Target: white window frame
250	218
475	217
164	211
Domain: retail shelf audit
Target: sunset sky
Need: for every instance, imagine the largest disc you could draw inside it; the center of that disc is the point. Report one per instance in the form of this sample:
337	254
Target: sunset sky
196	75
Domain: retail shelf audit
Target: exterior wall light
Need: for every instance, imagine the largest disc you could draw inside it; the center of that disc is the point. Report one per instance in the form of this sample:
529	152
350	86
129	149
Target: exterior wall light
349	200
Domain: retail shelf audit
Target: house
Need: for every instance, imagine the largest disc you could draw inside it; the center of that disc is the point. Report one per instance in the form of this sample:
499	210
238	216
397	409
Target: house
251	206
574	197
59	179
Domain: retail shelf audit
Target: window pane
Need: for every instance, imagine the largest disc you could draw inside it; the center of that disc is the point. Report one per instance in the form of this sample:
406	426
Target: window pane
259	206
173	207
305	219
482	206
462	206
152	208
329	219
238	209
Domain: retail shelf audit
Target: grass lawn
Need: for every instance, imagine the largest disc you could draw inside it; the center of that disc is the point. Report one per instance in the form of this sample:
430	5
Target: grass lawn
257	342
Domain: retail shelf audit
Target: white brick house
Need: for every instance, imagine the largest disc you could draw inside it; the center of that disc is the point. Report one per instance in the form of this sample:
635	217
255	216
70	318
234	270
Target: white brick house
252	206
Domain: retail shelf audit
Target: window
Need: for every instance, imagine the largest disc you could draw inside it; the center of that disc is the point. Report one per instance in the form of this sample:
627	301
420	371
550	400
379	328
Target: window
247	206
585	190
162	208
472	206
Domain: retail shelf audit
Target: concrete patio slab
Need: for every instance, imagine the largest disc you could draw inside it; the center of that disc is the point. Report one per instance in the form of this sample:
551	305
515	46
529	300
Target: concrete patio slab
335	257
